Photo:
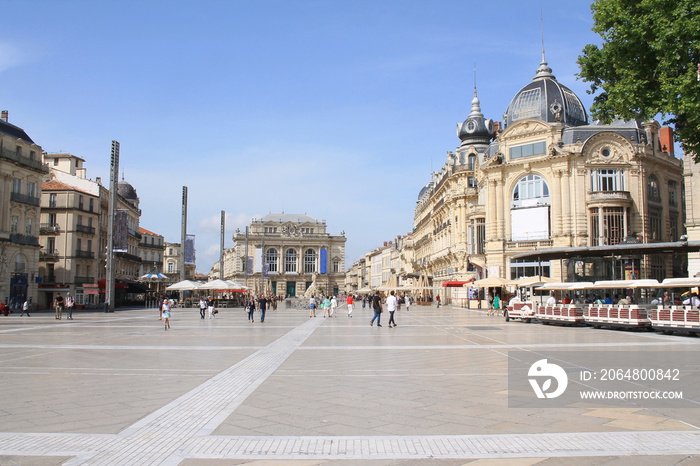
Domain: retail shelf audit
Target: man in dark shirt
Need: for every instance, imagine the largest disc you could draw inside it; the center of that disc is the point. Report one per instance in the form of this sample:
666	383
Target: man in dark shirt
58	302
377	306
262	303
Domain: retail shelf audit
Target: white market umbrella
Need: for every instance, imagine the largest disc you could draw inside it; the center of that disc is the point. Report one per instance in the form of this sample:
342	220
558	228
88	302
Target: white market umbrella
183	286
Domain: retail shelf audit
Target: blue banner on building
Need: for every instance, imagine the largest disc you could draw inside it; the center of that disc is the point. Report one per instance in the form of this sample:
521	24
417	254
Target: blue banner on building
324	261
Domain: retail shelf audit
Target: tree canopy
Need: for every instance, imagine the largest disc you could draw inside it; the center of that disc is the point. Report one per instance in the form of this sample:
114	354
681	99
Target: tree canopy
648	64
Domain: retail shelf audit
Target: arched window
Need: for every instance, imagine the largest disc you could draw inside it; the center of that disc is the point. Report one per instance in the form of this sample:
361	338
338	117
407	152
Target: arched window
653	189
309	261
271	258
531	188
290	261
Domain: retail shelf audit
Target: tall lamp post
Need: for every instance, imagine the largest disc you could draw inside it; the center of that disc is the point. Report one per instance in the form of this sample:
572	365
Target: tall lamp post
113	186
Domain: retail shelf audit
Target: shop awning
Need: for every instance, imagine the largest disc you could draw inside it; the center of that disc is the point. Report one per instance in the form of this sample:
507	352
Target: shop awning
454	284
102	285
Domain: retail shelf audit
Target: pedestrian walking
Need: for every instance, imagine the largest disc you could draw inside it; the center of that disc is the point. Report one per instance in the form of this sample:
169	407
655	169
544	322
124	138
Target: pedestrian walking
437	298
202	306
25	308
407	302
210	306
58	304
250	309
312	307
262	305
392	305
377	306
326	306
165	308
350	302
364	301
70	303
334	306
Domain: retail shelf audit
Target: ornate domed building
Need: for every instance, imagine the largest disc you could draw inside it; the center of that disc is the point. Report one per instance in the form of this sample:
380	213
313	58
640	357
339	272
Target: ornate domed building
547	178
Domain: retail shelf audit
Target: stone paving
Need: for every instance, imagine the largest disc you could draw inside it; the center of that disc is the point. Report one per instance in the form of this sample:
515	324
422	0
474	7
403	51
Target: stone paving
118	389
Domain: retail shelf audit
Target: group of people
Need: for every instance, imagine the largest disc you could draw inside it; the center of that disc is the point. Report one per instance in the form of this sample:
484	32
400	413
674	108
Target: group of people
59	304
260	304
328	304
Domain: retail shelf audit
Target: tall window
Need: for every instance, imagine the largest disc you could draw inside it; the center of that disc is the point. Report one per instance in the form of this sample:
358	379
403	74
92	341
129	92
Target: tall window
471	162
672	193
653	189
271	258
17	185
480	236
607	225
290	261
31	189
607	180
655	231
309	261
29	227
52	198
14	226
673	230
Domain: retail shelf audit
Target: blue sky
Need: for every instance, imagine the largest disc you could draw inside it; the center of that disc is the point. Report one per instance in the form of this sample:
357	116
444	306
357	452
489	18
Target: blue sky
338	109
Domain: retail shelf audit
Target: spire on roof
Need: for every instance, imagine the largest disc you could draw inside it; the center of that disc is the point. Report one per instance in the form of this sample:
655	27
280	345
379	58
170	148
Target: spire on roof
544	71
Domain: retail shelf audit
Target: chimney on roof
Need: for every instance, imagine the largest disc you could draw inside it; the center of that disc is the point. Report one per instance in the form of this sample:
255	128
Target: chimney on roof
4	115
666	139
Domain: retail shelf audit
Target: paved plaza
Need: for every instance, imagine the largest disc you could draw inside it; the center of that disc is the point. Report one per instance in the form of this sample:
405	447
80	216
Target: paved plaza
118	389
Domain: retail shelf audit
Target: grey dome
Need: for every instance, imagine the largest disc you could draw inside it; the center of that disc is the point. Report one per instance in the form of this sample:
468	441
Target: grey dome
127	191
547	100
475	129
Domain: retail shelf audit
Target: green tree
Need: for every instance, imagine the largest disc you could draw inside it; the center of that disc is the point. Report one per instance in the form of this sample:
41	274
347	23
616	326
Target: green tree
647	65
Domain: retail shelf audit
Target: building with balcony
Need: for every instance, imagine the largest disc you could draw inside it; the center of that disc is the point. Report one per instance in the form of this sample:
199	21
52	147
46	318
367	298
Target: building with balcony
22	171
74	234
172	260
151	250
287	254
70	234
547	178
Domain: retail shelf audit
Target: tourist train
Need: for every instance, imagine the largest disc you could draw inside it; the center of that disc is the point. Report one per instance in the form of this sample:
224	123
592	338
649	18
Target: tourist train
641	306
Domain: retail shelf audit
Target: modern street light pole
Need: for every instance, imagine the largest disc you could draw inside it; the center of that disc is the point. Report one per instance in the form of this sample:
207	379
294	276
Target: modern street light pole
110	265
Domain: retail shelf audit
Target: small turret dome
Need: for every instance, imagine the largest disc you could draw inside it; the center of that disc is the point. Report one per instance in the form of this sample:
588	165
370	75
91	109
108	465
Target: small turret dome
475	129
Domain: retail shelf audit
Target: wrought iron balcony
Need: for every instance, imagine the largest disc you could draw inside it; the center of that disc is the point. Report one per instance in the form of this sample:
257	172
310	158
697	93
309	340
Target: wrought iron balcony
82	280
84	254
26	161
48	256
26	240
85	229
49	229
25	199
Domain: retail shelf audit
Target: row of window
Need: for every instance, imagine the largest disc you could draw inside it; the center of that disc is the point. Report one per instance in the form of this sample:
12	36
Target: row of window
608	179
17	185
291	260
